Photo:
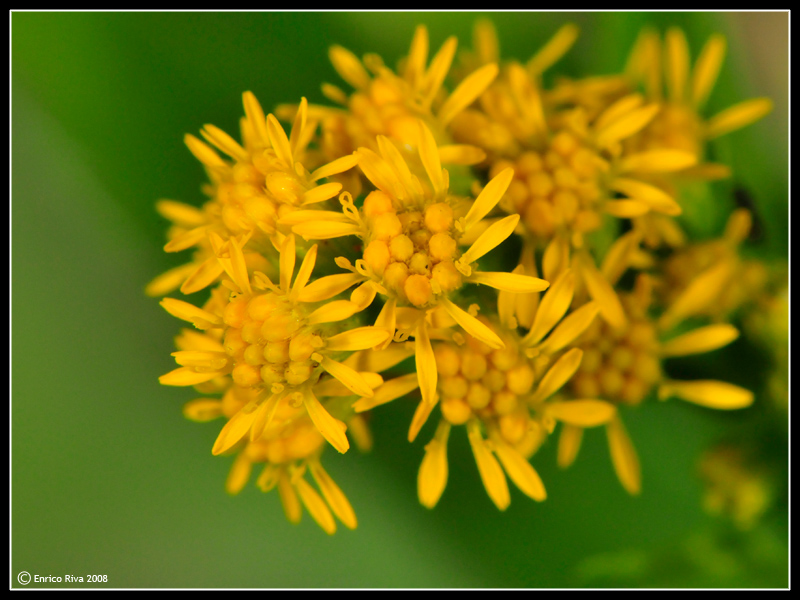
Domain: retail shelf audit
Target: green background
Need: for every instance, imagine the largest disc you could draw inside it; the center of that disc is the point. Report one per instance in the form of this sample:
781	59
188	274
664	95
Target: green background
108	478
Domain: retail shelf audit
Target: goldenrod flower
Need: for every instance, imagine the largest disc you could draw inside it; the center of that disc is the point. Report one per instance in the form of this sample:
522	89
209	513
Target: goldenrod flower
264	180
411	234
390	104
711	278
680	125
275	344
503	392
624	364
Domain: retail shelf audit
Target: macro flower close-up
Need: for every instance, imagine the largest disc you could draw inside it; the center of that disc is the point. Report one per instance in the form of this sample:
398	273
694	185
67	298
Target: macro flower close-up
492	300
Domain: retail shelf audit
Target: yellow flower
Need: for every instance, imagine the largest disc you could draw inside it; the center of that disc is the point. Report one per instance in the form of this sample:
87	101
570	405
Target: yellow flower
503	392
710	278
390	104
680	124
288	452
411	233
569	171
624	364
275	344
265	179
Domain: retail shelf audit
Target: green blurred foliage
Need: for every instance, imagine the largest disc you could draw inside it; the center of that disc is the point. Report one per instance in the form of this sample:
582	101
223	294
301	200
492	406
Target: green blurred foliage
108	478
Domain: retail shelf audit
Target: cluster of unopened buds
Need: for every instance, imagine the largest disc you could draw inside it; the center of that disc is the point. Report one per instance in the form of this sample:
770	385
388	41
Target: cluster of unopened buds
454	231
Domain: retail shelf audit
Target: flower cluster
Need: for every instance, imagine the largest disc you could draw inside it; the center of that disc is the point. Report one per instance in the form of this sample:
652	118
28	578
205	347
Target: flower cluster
460	228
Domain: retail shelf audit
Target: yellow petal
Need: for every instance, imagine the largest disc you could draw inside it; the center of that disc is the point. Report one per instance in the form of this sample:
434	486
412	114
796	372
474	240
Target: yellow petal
570	328
297	217
555	259
489	197
379	361
224	142
380	173
201	358
328	287
552	307
391	390
623	456
268	478
340	165
304	274
737	229
420	417
466	93
316	506
520	471
558	375
357	339
625	209
349	67
239	474
677	64
289	499
582	413
708	393
484	41
569	443
627	125
432	477
738	116
494	480
325	230
330	428
440	65
707	68
201	319
461	154
299	133
618	257
490	239
338	310
255	114
698	295
236	428
617	110
202	410
203	276
321	193
425	363
554	49
650	195
601	291
700	340
429	155
287	260
238	267
172	279
181	214
187	239
472	325
417	55
185	376
334	387
351	379
333	495
510	282
204	153
657	161
264	416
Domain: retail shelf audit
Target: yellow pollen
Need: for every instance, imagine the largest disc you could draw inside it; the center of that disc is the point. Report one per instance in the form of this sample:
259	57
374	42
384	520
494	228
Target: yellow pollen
418	290
439	217
401	248
377	203
442	247
377	256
